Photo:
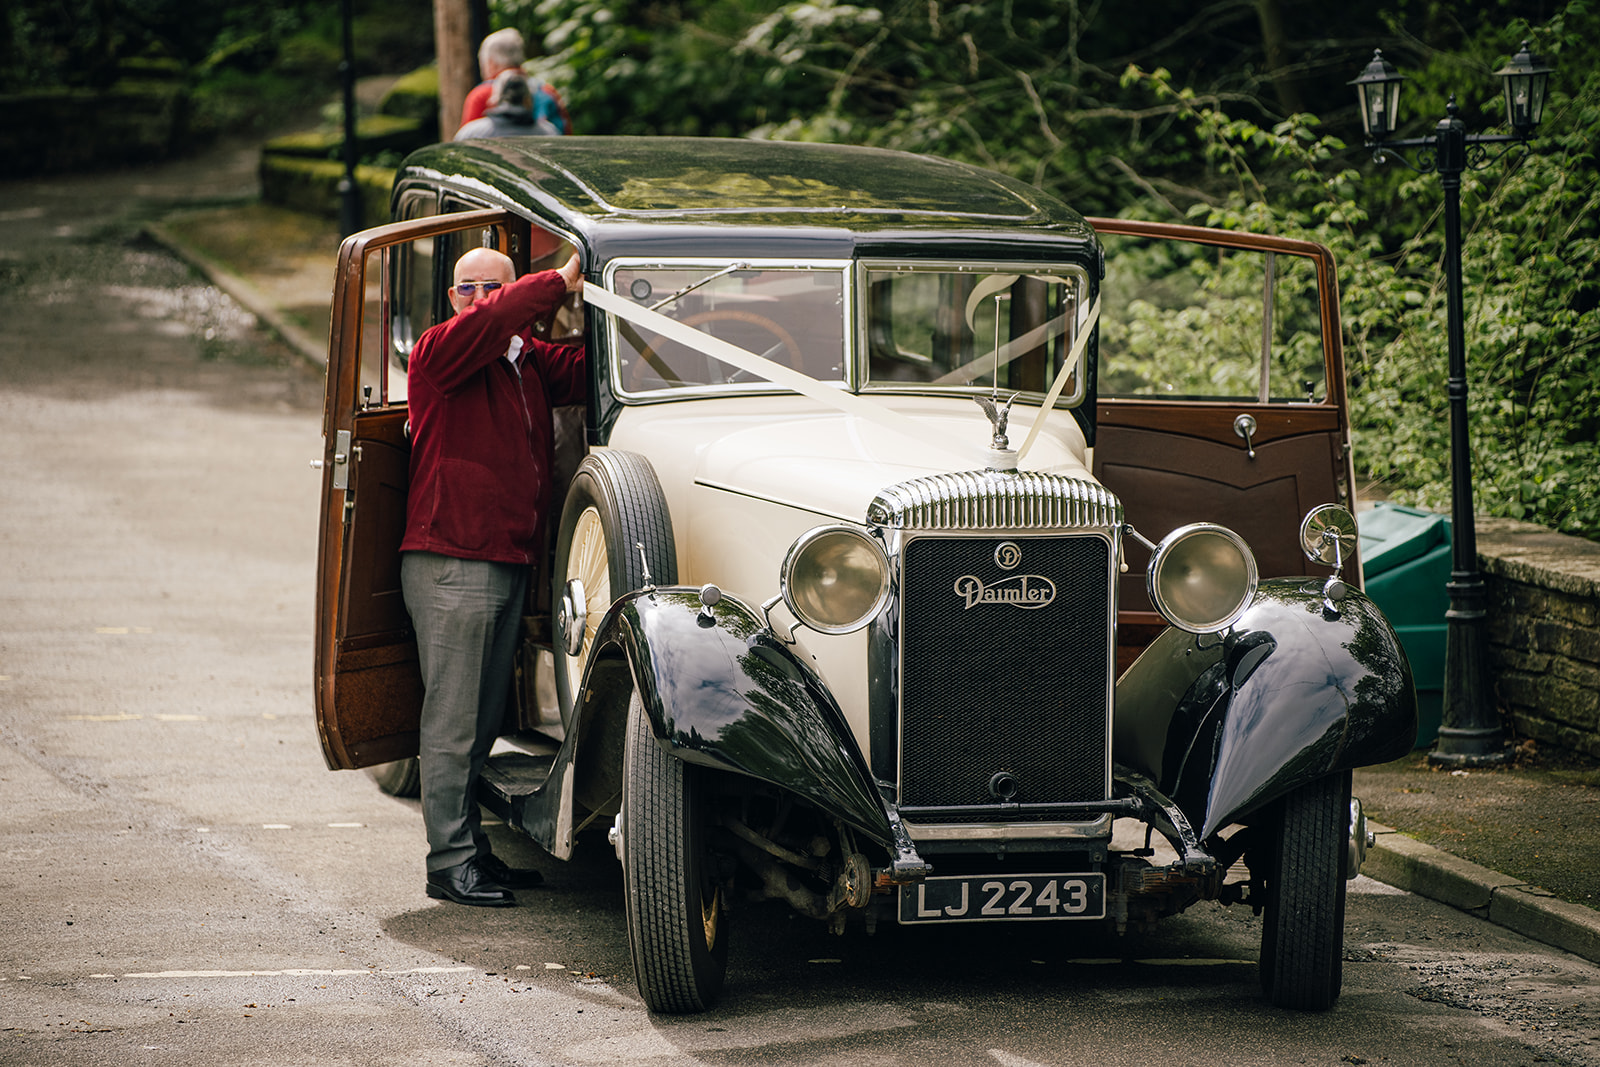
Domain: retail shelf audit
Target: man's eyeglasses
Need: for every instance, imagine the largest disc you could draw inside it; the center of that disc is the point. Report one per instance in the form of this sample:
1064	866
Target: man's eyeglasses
468	288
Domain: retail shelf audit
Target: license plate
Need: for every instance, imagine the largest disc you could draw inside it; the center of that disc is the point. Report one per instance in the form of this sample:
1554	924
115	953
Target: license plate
987	898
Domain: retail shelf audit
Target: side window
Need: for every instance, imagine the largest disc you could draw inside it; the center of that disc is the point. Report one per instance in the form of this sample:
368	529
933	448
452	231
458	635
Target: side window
1188	321
407	301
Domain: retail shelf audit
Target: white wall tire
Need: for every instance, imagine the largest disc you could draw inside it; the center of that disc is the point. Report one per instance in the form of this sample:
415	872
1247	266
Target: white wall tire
613	505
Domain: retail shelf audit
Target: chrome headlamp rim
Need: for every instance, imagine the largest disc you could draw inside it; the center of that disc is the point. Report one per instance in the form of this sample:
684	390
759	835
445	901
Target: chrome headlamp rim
797	552
1162	556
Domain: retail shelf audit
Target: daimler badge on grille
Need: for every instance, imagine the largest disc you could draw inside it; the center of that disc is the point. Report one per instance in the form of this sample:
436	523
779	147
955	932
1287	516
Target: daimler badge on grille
1007	554
1026	591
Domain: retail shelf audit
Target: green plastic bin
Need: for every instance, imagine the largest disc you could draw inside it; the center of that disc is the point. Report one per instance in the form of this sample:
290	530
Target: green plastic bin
1405	555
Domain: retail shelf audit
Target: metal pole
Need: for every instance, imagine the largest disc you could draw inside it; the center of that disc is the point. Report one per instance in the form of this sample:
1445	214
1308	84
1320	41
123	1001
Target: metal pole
349	191
1470	734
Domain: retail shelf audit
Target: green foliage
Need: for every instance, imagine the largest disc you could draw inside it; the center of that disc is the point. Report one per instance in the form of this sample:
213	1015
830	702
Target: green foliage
1531	285
246	63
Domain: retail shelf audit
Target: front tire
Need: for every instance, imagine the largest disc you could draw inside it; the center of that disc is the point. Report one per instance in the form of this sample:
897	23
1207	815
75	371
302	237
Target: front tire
613	505
677	913
1302	932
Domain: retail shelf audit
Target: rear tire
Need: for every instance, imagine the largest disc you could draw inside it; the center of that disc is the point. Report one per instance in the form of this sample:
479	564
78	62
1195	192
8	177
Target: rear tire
613	505
677	914
1302	932
402	778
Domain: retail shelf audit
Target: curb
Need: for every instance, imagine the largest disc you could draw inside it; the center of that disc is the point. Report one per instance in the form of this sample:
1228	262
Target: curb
1408	864
247	295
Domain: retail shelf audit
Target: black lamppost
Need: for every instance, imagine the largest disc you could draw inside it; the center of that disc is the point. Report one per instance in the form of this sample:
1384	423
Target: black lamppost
1470	733
349	189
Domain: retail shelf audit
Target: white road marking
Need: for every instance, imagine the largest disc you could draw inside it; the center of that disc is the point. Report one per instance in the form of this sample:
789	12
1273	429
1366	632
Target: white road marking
291	972
1008	1059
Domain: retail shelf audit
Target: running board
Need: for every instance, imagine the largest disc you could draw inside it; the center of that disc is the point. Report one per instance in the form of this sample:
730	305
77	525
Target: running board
509	779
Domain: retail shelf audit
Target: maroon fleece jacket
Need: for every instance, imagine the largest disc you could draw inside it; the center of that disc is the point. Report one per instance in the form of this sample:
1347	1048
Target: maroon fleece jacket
481	435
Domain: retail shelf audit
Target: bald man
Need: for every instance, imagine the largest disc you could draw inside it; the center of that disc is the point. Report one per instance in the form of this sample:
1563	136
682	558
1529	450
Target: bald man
480	388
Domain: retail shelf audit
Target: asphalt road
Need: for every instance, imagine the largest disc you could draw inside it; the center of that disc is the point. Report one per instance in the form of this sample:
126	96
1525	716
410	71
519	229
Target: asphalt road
184	883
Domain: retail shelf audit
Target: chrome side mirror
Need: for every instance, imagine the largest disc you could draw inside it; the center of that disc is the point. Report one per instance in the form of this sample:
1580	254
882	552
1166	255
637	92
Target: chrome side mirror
1328	536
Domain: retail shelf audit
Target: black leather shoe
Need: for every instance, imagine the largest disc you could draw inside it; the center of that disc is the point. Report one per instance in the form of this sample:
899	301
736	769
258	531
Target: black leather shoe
510	877
469	883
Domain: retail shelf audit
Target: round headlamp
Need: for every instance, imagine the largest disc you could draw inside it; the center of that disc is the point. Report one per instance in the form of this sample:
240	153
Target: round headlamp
1202	577
835	578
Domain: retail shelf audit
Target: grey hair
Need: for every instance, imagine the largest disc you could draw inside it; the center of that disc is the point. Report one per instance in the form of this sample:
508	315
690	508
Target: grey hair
503	47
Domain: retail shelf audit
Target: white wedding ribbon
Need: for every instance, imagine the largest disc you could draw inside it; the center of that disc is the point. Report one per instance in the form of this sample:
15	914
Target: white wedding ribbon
840	400
1061	377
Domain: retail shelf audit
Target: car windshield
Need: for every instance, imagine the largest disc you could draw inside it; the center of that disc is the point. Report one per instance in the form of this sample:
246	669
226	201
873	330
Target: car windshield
793	316
923	326
971	327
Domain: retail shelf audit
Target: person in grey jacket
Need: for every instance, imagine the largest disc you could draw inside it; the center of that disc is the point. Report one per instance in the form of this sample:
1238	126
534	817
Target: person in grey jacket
510	112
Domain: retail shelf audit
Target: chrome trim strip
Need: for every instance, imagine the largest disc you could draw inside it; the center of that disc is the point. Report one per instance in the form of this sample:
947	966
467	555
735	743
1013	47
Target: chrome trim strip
996	500
1011	831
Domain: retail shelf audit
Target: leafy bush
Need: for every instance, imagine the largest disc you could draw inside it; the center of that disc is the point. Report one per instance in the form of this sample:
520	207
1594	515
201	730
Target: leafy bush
1531	297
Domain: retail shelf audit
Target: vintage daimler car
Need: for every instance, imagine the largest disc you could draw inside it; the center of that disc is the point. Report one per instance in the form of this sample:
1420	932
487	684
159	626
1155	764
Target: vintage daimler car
927	552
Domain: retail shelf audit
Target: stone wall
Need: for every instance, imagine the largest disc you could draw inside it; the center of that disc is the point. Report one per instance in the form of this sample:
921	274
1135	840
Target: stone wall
1544	631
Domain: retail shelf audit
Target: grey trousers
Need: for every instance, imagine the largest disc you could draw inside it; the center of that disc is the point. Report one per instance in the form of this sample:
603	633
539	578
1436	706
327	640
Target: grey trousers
468	616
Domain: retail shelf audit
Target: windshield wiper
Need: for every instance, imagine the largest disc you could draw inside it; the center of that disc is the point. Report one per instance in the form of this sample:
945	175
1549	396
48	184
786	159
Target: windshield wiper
692	286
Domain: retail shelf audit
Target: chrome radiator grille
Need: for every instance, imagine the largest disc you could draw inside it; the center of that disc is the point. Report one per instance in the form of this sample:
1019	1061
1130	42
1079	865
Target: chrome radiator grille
994	500
994	680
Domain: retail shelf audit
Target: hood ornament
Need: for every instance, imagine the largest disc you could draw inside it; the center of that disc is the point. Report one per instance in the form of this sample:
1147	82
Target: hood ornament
1001	457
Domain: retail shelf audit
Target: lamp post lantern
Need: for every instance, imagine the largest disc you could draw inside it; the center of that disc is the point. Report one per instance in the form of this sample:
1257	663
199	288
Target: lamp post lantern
1470	732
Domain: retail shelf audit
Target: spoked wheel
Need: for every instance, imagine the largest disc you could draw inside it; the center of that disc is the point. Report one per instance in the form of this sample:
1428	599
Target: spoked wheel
677	913
1302	933
402	778
613	505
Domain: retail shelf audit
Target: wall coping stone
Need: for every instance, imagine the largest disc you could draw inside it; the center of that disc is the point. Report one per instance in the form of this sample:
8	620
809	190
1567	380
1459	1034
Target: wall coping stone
1536	555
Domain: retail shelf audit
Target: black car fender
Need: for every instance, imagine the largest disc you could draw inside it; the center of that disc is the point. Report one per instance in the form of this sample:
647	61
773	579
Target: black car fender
1302	686
723	691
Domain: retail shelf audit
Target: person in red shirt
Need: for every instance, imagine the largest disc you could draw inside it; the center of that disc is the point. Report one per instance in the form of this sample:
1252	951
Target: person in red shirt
501	51
480	388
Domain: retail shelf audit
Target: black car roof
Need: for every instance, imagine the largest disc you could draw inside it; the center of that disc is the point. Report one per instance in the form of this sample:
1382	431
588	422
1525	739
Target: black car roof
684	195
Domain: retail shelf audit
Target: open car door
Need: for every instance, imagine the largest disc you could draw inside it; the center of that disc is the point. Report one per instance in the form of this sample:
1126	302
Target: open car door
1221	393
368	686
